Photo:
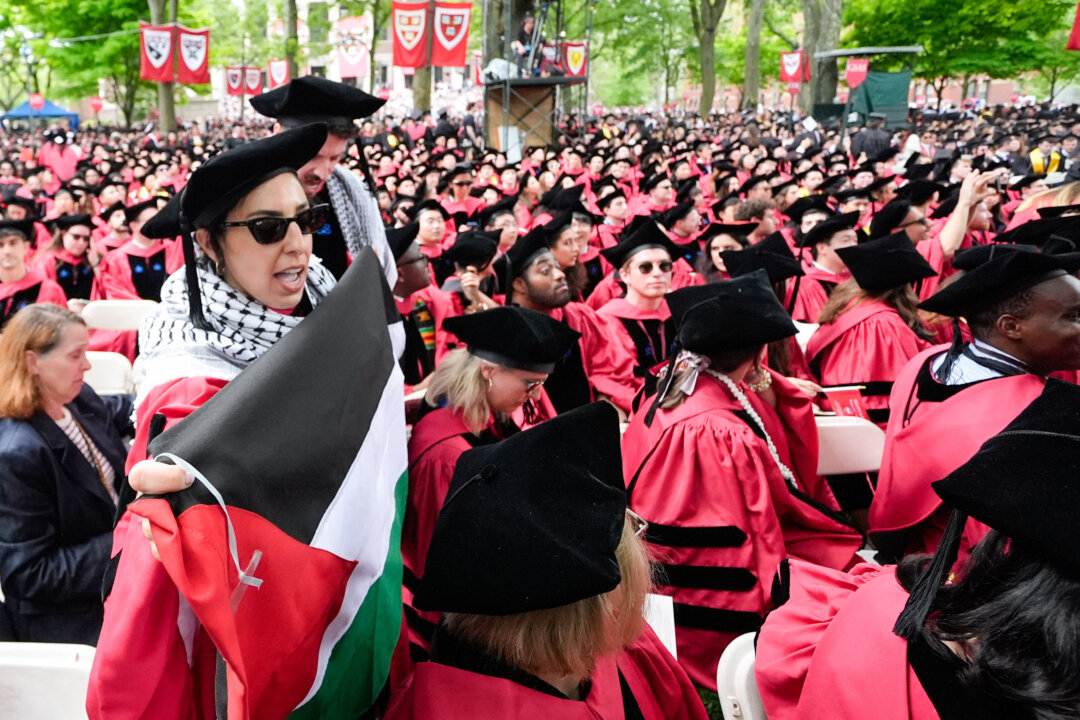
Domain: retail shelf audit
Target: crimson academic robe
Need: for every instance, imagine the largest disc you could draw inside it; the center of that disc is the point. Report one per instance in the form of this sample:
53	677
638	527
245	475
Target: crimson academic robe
132	272
650	332
828	280
930	434
829	653
605	357
721	516
426	309
660	690
811	298
867	345
147	624
682	275
608	235
33	288
436	443
73	274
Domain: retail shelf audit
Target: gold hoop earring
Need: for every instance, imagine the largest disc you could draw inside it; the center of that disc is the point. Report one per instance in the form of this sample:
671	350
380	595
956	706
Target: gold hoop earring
491	383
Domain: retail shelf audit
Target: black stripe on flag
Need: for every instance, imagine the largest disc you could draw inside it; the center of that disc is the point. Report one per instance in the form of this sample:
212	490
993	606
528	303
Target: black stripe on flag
279	439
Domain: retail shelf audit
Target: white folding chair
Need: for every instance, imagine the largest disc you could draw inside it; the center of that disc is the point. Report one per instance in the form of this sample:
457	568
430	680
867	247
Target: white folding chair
109	373
805	330
660	614
116	314
44	681
739	695
848	445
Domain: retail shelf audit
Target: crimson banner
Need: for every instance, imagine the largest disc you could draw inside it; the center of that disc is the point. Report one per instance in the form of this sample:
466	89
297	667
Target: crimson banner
575	60
277	73
253	81
793	68
1074	36
855	72
354	59
409	21
156	50
194	65
234	81
451	33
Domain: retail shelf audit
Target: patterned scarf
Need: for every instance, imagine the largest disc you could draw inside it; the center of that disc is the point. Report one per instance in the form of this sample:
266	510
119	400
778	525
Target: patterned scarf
358	214
243	329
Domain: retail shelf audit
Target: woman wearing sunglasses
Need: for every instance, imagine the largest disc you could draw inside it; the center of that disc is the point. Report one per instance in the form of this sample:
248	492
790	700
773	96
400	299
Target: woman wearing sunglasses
254	281
509	353
644	259
70	260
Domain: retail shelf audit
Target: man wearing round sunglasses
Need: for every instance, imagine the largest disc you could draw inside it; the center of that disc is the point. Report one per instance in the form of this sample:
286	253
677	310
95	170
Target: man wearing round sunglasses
351	220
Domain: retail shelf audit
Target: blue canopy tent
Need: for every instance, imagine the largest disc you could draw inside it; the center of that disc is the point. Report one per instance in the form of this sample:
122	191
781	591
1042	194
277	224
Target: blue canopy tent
49	110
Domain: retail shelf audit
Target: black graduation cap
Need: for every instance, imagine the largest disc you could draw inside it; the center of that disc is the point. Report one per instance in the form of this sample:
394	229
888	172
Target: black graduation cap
108	212
504	206
532	522
132	212
918	172
166	223
603	202
752	182
771	255
1037	232
889	217
919	192
1054	211
522	254
23	227
401	239
729	314
474	248
866	167
652	181
972	257
514	337
677	213
456	171
65	222
556	225
803	205
994	280
315	99
880	183
430	204
946	208
686	189
1023	482
1025	181
885	263
648	235
824	230
743	229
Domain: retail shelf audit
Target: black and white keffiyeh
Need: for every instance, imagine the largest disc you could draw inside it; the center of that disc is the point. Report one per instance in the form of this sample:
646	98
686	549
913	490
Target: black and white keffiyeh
171	347
358	215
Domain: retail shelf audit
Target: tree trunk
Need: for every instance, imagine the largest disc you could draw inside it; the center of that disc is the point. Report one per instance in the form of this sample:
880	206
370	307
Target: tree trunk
495	26
823	25
939	89
292	42
752	85
705	16
166	106
421	88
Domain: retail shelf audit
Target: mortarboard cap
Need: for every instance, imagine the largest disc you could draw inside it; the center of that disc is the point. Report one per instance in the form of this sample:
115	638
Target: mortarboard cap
889	217
995	280
514	337
166	223
677	213
752	182
800	207
503	207
648	235
885	263
115	207
974	256
401	239
430	204
824	230
771	255
22	227
69	221
132	212
312	99
474	248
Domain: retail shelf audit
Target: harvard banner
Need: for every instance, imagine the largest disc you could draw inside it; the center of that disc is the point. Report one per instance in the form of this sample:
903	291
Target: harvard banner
793	68
575	60
856	71
409	22
451	33
234	81
156	50
353	47
1074	36
309	503
277	73
253	81
194	66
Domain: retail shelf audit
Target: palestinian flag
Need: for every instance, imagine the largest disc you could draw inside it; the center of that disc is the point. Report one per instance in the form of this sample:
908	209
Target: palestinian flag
304	460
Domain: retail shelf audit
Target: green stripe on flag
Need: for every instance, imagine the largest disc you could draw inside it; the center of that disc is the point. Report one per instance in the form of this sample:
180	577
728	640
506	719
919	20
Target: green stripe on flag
360	662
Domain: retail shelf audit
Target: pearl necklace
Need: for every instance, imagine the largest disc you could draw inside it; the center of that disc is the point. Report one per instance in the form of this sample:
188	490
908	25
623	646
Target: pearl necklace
785	471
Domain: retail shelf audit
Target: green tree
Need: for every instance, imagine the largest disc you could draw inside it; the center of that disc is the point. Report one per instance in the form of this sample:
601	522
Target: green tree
961	38
705	16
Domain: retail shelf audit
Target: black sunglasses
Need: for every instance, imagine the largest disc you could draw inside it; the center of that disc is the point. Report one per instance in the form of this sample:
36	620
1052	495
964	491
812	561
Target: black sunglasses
270	230
647	267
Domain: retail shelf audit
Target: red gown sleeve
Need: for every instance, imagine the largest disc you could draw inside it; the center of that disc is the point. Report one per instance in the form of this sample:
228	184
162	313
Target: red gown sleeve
147	626
50	292
660	686
608	358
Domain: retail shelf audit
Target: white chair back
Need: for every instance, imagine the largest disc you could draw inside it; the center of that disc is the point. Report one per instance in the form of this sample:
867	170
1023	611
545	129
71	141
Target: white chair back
848	445
109	373
739	695
44	681
660	614
116	314
805	331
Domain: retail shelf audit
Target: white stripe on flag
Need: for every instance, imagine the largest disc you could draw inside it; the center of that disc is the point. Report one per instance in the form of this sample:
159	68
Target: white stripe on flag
357	523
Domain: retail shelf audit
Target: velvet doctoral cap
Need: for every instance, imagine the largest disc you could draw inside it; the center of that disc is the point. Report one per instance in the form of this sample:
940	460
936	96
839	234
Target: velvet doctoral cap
166	223
824	230
532	522
885	263
401	239
474	248
514	337
729	314
315	99
771	255
995	280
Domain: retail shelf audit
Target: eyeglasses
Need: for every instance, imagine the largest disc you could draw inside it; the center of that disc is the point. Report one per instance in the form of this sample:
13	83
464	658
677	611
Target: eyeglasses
270	230
422	259
531	385
647	267
462	183
637	523
924	221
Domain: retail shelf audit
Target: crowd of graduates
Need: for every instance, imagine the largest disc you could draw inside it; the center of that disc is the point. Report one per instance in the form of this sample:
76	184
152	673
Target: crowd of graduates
673	269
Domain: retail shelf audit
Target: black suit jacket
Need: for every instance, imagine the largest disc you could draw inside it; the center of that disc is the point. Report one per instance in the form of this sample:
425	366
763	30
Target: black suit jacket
56	519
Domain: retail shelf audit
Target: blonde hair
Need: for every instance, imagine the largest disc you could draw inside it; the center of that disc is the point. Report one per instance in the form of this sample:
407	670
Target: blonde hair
568	640
1067	194
458	379
38	328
